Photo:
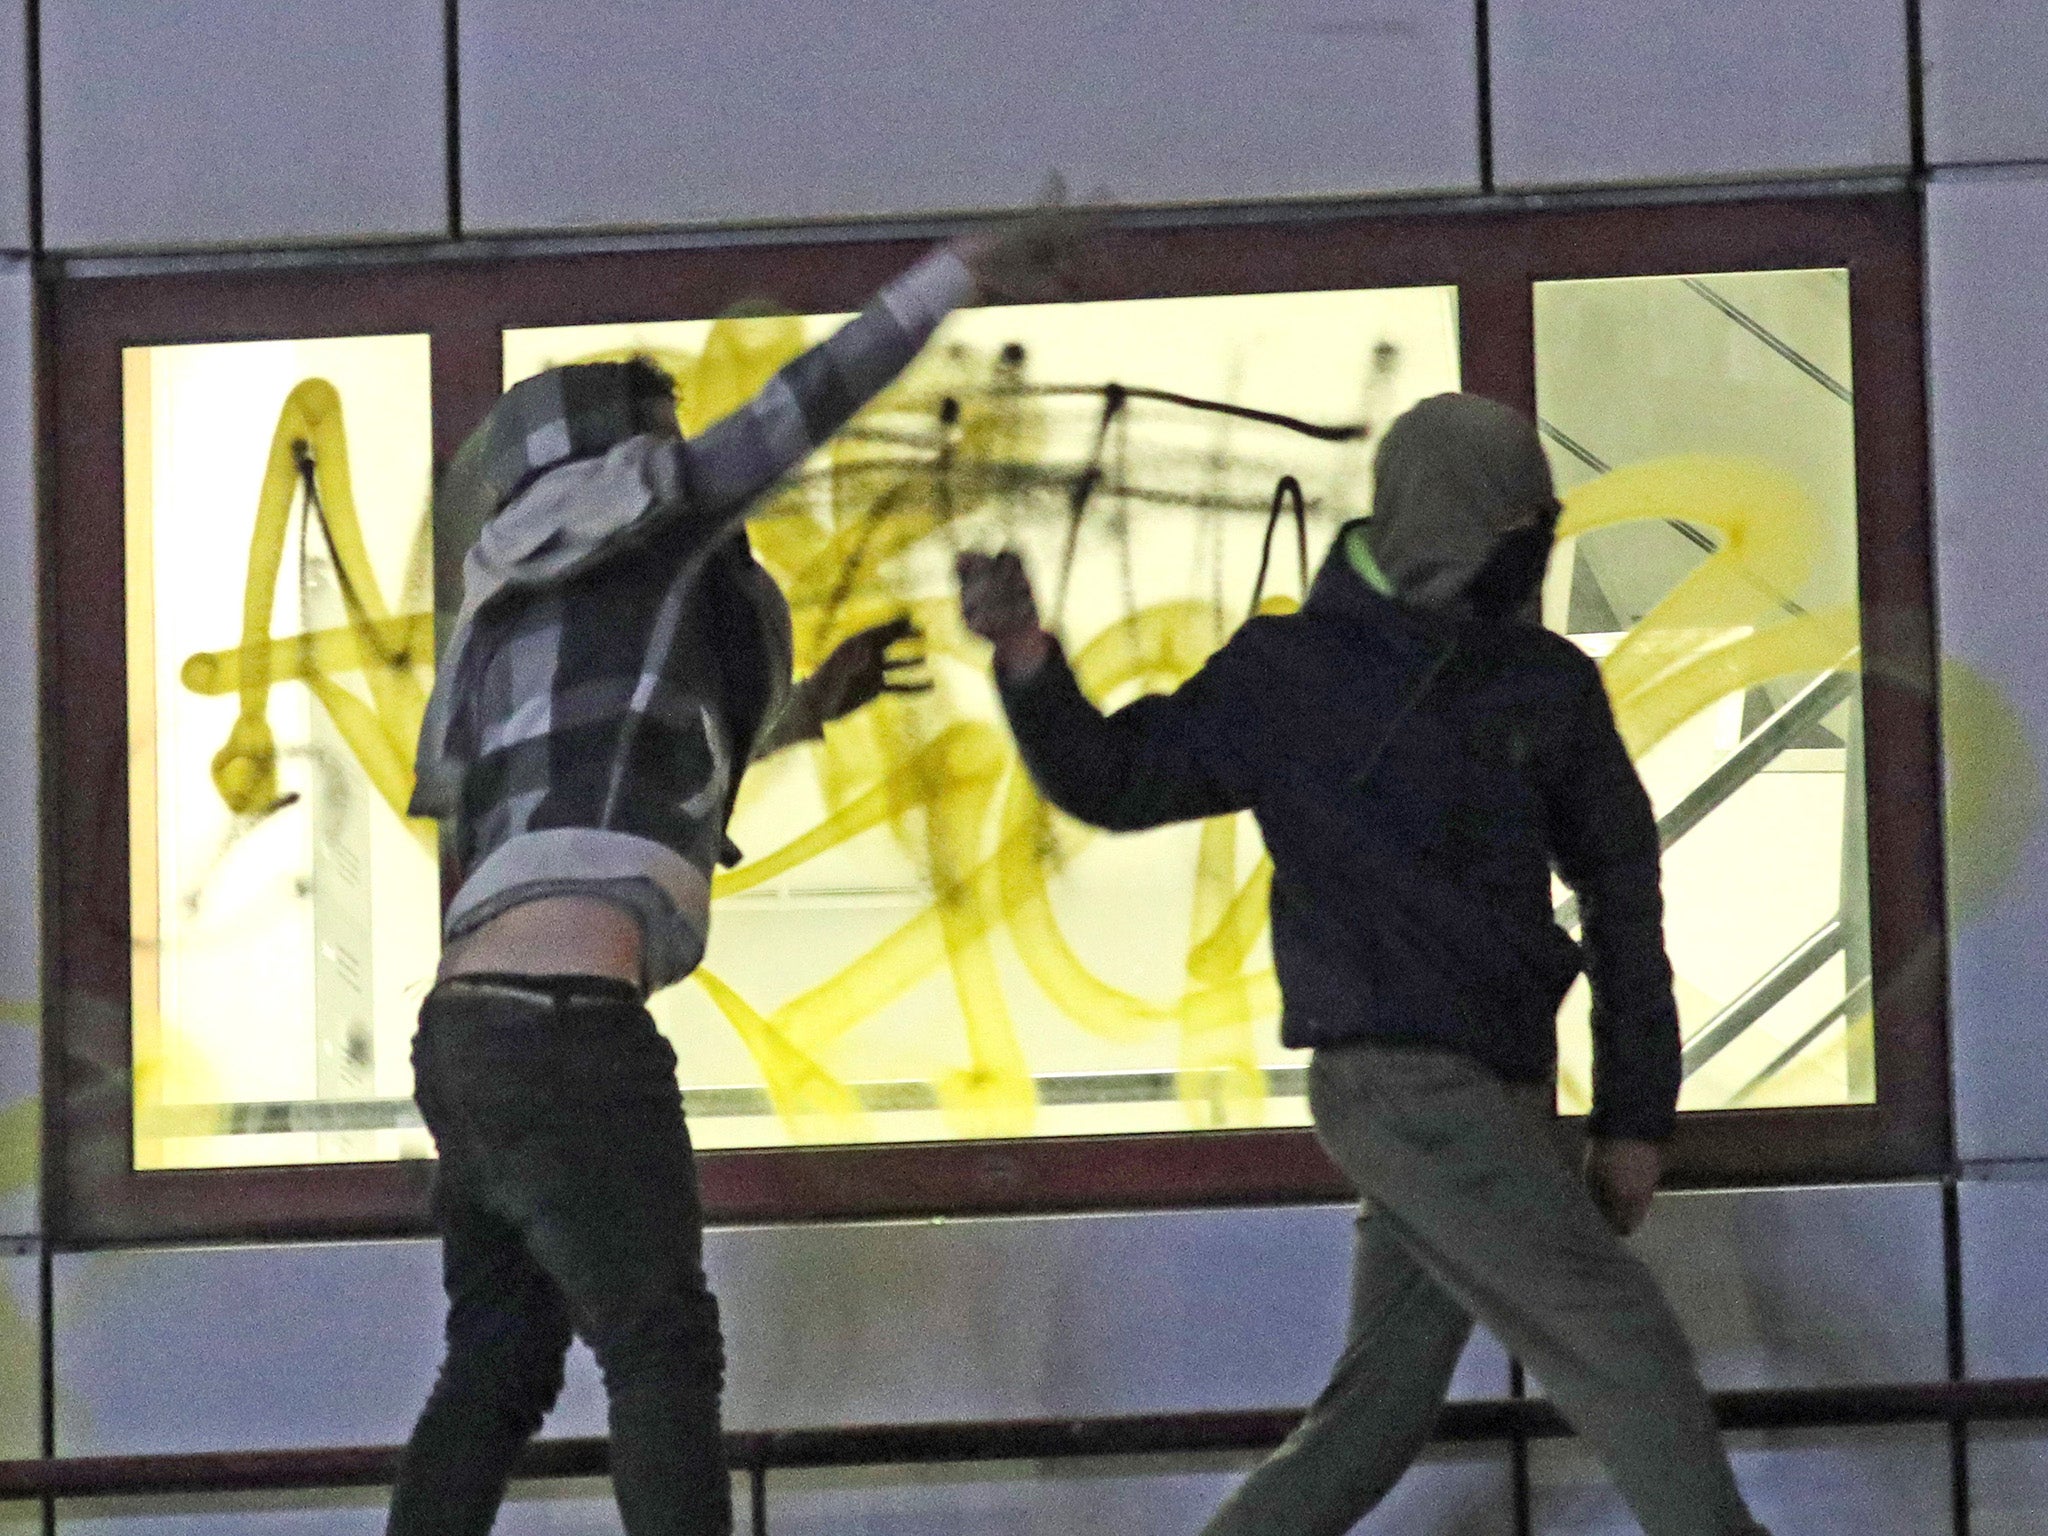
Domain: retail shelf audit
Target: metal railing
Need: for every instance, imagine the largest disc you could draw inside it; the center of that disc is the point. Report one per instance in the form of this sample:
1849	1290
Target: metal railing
757	1453
1756	752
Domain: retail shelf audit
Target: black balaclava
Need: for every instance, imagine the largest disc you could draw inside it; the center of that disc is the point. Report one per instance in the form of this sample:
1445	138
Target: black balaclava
1463	509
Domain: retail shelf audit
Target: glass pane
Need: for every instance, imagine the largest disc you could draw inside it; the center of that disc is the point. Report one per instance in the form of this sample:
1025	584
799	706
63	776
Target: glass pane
1702	434
280	648
915	948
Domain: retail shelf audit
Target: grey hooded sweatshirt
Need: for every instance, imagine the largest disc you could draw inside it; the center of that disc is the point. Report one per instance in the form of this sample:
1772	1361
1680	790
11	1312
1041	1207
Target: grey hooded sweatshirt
1419	754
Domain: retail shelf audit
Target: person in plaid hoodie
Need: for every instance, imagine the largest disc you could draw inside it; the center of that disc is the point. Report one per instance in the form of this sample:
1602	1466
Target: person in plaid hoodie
617	660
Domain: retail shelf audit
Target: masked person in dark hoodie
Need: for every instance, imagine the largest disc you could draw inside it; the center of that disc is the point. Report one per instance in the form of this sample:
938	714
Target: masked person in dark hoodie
1420	753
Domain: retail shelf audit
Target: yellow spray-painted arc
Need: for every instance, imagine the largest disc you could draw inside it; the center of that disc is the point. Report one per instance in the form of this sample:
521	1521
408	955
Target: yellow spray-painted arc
1162	644
1732	623
1768	535
324	652
813	1103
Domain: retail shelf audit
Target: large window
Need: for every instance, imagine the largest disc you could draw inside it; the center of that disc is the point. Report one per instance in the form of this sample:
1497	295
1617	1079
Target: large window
280	645
1701	431
919	949
925	990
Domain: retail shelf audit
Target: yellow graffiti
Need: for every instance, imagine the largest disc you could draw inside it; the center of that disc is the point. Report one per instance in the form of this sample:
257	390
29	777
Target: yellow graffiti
1993	800
20	1338
1723	628
21	1121
1702	641
392	654
948	788
1727	627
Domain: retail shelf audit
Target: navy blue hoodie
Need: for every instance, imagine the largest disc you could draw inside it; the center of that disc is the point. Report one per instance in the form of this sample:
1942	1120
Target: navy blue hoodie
1416	775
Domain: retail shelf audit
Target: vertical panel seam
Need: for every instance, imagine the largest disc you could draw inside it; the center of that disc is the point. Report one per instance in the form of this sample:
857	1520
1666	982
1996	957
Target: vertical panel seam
1959	1475
51	1143
32	115
1916	89
46	1324
41	383
1518	1450
1958	1360
1482	30
451	40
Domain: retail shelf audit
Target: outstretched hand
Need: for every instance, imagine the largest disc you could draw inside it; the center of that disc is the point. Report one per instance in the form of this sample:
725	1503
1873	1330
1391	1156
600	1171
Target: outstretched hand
996	604
1034	258
861	669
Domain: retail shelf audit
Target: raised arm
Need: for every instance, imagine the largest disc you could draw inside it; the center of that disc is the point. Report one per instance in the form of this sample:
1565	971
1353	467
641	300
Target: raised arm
1160	759
738	457
1604	837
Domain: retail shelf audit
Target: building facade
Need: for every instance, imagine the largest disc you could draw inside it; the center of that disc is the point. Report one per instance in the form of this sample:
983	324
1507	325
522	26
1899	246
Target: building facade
223	137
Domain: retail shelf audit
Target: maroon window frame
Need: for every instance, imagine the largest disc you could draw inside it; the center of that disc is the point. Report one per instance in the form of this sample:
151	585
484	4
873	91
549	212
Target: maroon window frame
1494	255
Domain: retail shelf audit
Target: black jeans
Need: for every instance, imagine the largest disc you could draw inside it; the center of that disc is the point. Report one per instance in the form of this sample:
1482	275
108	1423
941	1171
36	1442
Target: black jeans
567	1201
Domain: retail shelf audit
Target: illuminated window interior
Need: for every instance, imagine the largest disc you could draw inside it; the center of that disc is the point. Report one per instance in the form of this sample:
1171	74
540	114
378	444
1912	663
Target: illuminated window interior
1701	432
280	644
914	948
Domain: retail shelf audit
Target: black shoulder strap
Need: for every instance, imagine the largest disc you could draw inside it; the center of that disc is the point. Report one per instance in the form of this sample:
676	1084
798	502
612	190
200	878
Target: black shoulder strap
1399	718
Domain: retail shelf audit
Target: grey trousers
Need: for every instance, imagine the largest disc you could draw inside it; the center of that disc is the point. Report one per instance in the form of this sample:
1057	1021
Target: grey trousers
1472	1211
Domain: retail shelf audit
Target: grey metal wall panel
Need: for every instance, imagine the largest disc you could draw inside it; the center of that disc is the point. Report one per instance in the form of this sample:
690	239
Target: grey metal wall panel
570	1507
1986	64
1075	1315
1467	1492
2008	1479
213	1348
1988	366
351	1512
1588	91
636	114
19	829
231	122
2005	1253
1805	1287
14	148
21	1354
1844	1482
309	1344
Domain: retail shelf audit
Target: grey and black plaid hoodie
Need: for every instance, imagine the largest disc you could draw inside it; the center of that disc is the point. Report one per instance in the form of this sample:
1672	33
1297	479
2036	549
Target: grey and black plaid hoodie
619	653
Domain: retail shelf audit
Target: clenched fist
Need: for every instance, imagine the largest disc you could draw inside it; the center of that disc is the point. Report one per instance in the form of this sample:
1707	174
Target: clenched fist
996	603
1622	1175
1035	258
